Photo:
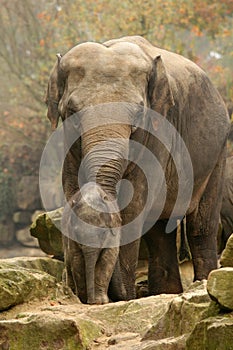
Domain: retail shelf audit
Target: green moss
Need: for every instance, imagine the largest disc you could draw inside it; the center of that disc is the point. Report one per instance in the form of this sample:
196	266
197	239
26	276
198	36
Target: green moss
37	332
19	285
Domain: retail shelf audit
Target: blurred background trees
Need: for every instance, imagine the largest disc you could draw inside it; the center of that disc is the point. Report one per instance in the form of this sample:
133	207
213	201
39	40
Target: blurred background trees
32	32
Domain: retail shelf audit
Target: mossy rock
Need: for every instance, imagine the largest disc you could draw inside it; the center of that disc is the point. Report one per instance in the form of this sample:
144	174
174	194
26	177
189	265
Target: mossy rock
53	267
227	254
20	285
214	333
47	331
47	229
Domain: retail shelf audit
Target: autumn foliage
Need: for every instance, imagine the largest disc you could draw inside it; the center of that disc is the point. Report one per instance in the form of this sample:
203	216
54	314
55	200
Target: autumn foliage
32	32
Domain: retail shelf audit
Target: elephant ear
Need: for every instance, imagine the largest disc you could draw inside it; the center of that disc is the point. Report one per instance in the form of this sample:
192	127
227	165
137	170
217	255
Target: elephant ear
54	93
159	90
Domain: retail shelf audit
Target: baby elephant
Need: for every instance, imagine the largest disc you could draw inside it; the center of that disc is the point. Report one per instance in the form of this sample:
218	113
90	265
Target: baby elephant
91	238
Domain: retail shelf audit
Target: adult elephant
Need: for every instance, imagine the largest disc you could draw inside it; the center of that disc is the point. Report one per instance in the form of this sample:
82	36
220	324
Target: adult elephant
111	91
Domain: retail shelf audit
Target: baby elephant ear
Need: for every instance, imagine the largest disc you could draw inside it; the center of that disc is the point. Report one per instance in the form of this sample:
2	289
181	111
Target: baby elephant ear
159	90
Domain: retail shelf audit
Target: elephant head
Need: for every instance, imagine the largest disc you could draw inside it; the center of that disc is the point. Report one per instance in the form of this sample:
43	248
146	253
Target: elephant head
107	86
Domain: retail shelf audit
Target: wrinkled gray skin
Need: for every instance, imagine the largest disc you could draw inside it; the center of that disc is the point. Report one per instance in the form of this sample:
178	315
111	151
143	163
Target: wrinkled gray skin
226	212
131	70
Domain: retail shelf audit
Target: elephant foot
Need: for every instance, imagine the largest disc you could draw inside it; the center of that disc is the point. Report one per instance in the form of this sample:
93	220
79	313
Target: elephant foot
98	300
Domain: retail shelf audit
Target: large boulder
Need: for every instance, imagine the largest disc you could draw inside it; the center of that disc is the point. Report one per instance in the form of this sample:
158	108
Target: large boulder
20	285
182	315
214	333
47	229
52	267
45	330
227	254
220	287
72	325
159	322
21	281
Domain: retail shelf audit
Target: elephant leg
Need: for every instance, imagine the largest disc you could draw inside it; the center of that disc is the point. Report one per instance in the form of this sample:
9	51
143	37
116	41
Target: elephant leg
128	263
203	224
69	281
103	273
75	268
117	290
163	272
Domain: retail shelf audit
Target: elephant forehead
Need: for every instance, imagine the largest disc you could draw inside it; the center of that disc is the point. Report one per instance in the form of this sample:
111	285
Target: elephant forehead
122	56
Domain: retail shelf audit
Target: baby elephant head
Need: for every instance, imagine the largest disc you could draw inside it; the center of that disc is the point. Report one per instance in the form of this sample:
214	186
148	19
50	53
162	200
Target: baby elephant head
94	218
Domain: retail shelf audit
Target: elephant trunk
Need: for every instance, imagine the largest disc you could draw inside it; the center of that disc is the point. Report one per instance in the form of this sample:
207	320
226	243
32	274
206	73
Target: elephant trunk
105	152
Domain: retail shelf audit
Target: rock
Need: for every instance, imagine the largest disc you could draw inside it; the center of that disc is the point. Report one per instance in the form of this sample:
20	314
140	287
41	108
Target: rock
135	316
7	232
163	344
24	237
18	285
46	228
227	254
22	217
169	322
27	194
23	279
214	333
177	321
120	340
35	214
47	331
220	287
51	266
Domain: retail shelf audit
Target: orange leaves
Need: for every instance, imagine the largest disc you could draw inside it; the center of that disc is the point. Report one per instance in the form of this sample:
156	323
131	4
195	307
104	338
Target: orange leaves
196	30
217	69
6	113
42	42
226	32
44	16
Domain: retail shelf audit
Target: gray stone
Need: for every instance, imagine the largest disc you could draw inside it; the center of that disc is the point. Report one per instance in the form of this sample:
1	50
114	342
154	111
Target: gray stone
22	217
24	279
20	285
163	344
60	321
220	287
227	254
136	316
214	333
46	228
177	321
35	214
51	266
24	237
45	330
27	194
